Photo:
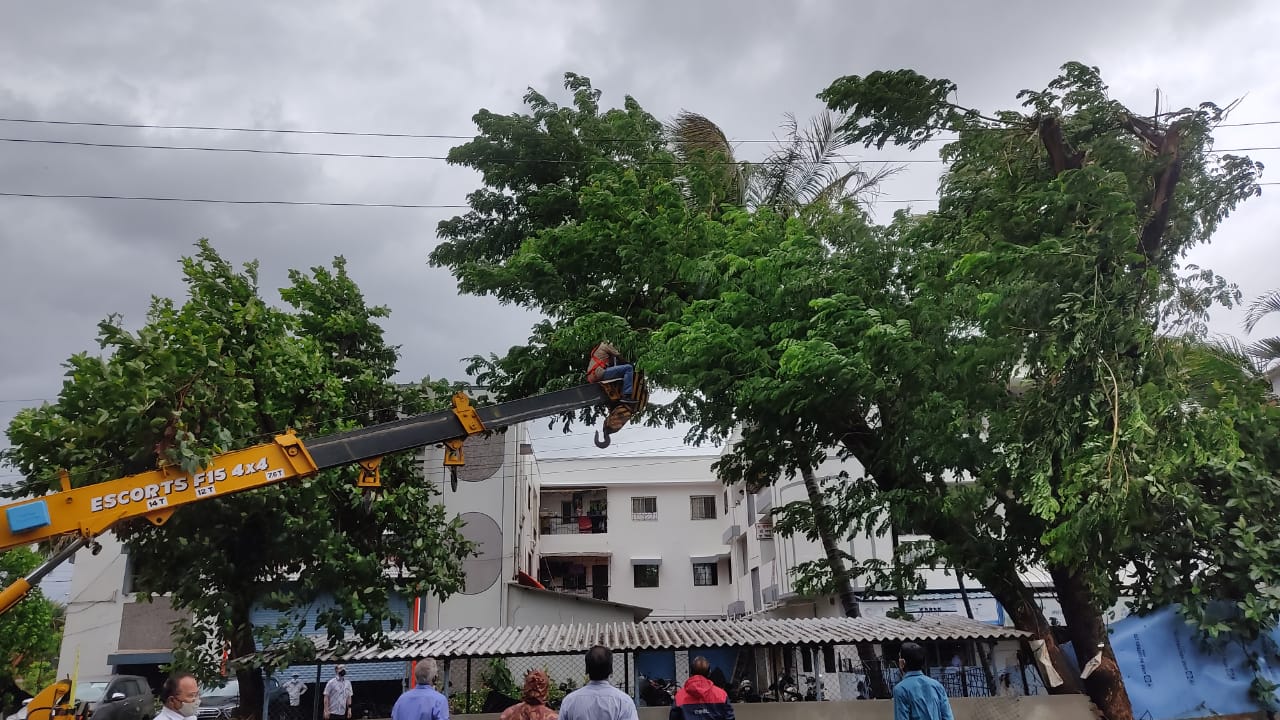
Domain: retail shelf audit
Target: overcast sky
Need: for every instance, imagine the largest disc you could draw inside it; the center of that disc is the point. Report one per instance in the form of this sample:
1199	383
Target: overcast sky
426	68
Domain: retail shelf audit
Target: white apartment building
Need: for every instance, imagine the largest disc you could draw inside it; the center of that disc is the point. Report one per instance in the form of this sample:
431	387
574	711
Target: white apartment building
498	498
767	561
642	530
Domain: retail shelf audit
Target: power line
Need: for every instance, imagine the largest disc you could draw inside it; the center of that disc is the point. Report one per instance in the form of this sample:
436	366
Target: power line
227	202
384	156
354	133
260	151
387	156
221	201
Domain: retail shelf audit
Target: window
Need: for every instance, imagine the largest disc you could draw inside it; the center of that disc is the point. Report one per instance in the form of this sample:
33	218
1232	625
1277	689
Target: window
702	507
646	576
644	508
828	659
704	574
726	502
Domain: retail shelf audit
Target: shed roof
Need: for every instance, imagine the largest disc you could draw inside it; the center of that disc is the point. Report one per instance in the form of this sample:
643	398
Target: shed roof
669	635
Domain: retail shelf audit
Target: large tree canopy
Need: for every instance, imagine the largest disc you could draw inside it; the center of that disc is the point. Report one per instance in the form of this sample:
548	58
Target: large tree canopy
222	370
1019	338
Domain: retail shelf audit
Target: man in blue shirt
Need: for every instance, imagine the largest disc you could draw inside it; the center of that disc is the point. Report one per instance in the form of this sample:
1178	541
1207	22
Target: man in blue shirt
598	699
918	696
423	702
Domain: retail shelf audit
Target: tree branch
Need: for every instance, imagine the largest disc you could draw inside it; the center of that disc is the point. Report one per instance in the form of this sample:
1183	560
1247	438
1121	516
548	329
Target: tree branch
1061	156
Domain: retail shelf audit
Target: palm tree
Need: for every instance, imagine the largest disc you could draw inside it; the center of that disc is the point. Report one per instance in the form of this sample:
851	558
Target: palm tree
1266	350
802	173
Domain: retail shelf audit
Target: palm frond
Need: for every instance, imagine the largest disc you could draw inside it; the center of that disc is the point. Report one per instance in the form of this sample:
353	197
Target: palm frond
690	132
1223	360
807	169
695	138
1260	308
1266	350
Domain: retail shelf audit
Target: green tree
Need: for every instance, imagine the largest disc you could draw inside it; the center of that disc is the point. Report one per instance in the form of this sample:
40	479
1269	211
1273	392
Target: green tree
643	245
29	632
1052	261
1073	215
805	177
225	370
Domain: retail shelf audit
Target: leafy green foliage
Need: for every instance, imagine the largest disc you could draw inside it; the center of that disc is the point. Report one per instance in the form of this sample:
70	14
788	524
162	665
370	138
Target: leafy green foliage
1073	218
901	106
29	632
1001	369
224	370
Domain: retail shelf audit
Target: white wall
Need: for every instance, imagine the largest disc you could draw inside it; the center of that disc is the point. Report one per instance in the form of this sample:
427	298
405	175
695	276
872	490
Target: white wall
672	537
526	606
495	485
94	609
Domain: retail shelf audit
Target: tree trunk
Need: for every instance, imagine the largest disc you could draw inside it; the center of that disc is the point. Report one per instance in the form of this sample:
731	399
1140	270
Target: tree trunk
1000	579
251	685
1105	684
1012	593
843	583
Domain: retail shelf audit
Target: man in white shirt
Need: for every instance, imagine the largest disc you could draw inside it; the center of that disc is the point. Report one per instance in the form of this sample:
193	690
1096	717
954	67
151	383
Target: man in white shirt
295	687
598	699
337	696
179	697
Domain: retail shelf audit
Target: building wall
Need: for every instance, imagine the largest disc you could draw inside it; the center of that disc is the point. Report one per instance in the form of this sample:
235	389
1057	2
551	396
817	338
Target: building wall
400	607
94	609
527	606
774	561
670	536
496	497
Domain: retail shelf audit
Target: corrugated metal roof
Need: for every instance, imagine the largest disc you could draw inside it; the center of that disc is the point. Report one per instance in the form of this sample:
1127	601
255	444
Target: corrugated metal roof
670	635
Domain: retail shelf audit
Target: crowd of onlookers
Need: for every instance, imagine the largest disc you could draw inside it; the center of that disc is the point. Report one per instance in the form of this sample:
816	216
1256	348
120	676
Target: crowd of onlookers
915	697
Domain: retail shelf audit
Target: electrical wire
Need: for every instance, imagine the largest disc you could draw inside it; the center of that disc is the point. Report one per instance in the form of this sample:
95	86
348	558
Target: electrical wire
556	161
382	156
353	133
222	201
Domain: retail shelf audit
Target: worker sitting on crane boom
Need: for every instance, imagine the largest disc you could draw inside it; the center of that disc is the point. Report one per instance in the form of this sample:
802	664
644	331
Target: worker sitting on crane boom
607	367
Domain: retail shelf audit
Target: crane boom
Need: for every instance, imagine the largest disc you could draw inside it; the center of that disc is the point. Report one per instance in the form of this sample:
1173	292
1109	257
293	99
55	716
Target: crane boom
88	511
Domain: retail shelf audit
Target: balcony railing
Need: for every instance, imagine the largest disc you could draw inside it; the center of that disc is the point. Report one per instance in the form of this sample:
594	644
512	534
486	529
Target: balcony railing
574	524
599	592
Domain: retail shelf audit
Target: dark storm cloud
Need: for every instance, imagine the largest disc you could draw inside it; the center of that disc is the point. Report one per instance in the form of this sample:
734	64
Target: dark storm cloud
427	68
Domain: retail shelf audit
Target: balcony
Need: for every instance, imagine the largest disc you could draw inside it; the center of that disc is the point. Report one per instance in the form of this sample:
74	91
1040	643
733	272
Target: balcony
573	512
582	575
573	524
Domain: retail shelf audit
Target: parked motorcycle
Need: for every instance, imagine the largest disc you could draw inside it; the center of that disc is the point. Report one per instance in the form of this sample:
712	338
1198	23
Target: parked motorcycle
811	688
743	692
657	692
785	690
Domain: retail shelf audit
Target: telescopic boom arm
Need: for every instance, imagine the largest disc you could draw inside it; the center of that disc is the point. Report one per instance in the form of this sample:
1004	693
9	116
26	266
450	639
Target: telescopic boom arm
87	512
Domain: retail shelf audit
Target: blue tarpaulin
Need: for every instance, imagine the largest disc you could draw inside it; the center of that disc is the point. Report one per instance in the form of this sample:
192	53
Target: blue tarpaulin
1170	676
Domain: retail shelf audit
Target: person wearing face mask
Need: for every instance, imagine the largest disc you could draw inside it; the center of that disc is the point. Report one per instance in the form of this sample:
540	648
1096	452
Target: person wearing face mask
337	696
179	697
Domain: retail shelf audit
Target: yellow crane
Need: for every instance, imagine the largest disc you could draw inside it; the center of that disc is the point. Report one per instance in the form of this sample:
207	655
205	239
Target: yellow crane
86	512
